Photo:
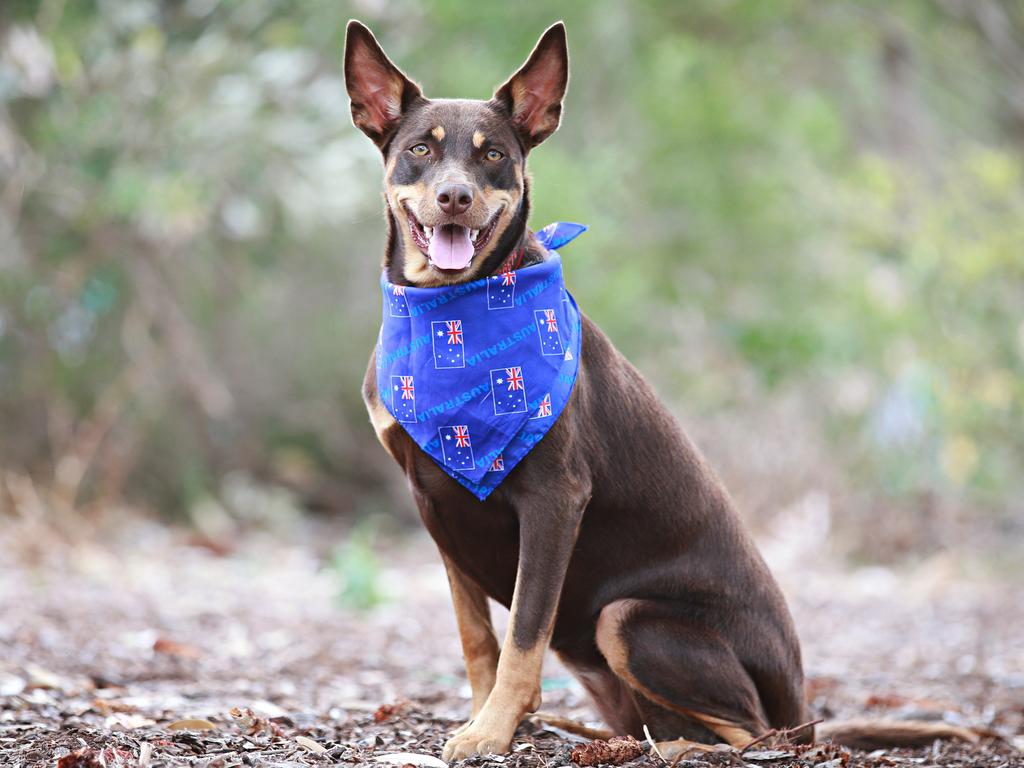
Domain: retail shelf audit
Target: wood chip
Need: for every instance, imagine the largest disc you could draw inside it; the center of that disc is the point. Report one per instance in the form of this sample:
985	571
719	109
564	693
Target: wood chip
410	758
768	754
192	724
311	745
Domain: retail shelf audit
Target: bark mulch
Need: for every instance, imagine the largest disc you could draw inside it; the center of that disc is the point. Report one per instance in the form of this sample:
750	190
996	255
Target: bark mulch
148	648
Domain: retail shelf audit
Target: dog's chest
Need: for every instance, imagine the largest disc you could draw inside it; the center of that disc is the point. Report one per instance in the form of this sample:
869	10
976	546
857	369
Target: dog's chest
482	538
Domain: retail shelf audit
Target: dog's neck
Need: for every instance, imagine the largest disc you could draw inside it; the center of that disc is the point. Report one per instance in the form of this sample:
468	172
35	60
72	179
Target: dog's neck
517	247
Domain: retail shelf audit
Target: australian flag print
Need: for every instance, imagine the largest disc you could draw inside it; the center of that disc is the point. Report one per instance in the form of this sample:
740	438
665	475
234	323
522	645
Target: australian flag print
396	300
403	399
508	390
543	408
456	446
547	330
449	346
501	290
477	373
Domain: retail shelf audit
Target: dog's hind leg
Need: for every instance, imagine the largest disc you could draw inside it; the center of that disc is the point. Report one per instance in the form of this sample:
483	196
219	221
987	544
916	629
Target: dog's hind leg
688	679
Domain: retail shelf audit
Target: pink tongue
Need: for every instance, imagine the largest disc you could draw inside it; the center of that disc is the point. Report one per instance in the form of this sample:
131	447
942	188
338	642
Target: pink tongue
450	247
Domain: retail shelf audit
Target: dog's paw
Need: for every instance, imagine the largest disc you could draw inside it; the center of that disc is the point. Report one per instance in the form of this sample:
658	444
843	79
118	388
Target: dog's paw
461	728
471	739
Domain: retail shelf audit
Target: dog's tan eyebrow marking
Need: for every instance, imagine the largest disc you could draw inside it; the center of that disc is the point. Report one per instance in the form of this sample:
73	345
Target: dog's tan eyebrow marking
438	133
478	139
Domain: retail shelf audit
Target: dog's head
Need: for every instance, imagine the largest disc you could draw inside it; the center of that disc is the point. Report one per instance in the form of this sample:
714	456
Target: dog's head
454	169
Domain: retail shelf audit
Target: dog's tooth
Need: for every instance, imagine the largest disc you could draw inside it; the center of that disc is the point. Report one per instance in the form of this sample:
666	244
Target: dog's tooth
429	231
473	234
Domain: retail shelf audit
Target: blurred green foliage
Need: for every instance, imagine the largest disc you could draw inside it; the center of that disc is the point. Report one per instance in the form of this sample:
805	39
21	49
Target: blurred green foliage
817	202
356	568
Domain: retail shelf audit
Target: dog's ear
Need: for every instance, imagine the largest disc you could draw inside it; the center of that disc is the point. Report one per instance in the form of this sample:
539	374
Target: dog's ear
533	95
378	90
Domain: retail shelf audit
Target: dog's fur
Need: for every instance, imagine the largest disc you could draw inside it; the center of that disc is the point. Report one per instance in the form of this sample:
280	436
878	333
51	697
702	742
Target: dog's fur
612	542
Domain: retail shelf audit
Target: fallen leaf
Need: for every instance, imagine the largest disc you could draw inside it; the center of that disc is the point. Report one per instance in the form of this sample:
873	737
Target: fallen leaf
615	751
82	758
192	724
173	648
411	758
387	711
311	745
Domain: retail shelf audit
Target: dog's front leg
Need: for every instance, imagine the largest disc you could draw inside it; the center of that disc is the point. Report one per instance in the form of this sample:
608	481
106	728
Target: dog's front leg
479	643
548	528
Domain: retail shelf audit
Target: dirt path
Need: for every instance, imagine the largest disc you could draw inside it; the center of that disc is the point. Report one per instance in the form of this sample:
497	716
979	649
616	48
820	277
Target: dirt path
108	645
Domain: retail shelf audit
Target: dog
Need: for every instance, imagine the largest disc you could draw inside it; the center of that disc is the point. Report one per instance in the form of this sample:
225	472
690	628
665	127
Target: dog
612	542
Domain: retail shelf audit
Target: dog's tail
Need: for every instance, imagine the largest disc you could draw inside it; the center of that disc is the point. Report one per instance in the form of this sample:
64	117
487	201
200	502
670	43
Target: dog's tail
881	734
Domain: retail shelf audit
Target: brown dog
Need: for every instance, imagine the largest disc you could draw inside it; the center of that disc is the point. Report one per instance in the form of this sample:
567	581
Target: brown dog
628	558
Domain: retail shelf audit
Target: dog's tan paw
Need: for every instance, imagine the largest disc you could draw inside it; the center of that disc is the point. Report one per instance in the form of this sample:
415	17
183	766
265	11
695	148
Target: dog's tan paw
471	740
461	728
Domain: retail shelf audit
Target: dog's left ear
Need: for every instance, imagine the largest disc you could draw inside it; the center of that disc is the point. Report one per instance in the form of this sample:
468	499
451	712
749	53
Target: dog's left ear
533	95
380	93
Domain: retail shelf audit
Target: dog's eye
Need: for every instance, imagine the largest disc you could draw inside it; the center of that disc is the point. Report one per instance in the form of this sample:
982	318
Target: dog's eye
420	150
495	155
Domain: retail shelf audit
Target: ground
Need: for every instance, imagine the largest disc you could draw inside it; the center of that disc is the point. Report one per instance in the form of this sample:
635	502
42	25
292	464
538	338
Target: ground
148	645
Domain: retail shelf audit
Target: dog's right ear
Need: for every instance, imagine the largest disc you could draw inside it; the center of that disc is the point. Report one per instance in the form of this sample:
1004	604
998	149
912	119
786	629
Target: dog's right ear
378	90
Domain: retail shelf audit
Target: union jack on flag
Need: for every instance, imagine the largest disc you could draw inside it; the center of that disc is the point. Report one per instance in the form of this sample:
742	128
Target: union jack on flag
461	435
515	377
508	278
545	406
398	290
454	328
498	465
407	388
549	316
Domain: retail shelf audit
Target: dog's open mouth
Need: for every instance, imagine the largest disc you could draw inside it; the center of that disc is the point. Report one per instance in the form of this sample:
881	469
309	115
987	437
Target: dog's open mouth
451	246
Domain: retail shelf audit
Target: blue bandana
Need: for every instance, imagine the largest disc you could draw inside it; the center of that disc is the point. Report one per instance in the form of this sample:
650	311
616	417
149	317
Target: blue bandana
477	373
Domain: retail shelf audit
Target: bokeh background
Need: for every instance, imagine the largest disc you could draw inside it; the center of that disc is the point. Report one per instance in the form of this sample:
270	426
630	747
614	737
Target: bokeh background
807	229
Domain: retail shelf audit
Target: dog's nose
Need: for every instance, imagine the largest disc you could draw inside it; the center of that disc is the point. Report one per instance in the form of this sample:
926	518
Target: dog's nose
454	199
